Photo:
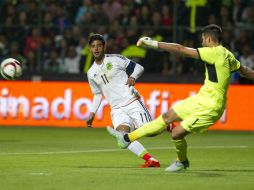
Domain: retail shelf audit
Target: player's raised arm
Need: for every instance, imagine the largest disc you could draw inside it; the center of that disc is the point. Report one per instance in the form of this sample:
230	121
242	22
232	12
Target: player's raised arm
246	72
136	73
170	47
133	70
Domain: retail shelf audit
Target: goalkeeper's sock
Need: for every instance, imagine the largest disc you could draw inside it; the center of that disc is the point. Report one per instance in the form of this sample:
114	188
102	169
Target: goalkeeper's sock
181	149
152	128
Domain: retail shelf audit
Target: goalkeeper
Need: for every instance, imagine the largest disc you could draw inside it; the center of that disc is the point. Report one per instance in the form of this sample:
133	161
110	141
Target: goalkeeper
198	112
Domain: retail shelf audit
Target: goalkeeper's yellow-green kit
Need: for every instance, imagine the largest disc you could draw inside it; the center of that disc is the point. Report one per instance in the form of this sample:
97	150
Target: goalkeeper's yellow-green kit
202	110
206	107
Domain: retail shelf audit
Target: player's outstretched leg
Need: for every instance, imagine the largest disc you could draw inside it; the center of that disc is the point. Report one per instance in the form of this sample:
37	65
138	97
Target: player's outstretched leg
178	166
119	137
138	149
151	163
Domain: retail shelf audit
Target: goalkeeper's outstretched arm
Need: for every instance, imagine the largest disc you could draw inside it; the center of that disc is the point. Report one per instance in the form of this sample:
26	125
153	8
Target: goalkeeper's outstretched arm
170	47
246	72
179	49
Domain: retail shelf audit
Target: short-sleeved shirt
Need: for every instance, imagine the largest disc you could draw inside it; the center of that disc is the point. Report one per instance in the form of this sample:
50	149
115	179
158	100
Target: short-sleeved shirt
205	108
110	77
219	64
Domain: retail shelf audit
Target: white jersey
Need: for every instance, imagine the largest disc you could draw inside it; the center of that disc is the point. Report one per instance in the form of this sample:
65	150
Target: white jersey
109	79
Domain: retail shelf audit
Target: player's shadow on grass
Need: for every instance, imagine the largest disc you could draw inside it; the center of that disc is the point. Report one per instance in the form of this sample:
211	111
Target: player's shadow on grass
228	170
97	167
201	173
215	173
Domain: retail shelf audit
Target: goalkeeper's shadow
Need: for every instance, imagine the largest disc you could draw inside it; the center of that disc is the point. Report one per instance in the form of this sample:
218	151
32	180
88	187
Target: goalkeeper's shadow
216	172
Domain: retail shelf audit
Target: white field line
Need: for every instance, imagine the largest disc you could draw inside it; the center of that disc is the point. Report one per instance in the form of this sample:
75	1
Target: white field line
115	150
39	173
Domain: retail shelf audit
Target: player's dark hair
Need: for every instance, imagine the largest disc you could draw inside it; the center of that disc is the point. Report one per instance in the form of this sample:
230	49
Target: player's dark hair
96	37
214	31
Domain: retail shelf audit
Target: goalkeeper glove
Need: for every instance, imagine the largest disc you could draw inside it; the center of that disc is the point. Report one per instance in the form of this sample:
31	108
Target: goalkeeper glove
146	41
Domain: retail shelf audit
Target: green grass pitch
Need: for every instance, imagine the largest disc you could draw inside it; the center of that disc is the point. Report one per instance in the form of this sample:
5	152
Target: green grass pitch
76	158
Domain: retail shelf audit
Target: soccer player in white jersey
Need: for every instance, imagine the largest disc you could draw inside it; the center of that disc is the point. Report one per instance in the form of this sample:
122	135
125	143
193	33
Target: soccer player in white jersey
113	76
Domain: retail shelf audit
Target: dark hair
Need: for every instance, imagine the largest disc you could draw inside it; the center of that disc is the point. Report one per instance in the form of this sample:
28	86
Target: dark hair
96	37
214	31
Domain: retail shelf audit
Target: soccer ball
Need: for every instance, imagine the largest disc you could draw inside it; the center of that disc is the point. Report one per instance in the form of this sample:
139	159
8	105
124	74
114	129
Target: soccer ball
11	69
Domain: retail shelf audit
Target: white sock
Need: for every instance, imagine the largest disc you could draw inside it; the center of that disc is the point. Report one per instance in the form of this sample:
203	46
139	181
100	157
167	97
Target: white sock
137	148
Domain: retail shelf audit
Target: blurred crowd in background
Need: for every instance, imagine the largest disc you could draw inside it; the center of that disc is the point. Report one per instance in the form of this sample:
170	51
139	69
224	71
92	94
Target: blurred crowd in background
51	36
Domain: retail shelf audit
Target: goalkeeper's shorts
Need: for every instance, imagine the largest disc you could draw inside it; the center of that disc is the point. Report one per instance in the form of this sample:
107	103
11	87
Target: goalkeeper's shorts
195	115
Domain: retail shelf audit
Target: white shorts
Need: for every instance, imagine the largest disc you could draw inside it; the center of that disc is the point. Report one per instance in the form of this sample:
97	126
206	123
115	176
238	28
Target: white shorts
133	115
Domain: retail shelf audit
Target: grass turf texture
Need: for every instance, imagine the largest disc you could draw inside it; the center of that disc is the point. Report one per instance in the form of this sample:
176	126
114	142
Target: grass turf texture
73	159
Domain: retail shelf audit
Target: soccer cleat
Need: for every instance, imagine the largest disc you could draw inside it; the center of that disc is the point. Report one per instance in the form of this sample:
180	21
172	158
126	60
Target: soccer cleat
178	166
119	137
151	163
